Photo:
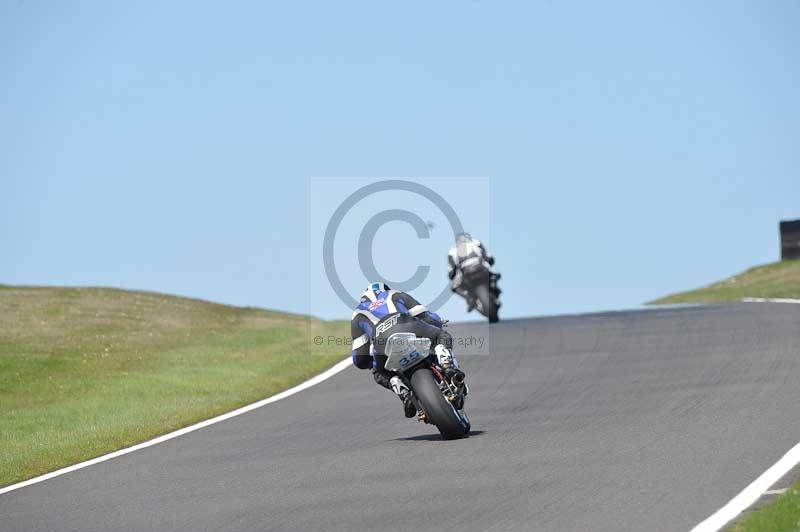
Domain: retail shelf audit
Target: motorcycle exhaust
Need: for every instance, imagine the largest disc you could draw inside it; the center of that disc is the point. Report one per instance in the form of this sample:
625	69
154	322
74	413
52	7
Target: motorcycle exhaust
457	380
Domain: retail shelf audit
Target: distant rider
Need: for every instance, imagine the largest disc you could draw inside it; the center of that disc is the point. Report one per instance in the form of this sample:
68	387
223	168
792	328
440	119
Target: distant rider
464	253
380	304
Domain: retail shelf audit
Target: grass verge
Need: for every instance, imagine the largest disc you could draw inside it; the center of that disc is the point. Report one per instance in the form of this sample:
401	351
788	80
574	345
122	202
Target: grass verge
782	515
85	371
776	280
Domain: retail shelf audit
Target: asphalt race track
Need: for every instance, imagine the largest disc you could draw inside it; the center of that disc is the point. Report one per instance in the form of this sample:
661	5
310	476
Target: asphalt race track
644	420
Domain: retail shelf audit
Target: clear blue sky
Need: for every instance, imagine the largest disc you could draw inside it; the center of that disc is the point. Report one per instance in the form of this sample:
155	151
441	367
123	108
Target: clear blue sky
632	149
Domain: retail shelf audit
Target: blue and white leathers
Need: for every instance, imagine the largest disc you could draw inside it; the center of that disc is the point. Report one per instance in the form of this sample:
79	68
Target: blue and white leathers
375	309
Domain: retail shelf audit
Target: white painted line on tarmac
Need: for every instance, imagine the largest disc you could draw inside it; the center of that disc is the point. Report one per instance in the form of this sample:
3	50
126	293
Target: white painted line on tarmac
325	375
770	300
751	493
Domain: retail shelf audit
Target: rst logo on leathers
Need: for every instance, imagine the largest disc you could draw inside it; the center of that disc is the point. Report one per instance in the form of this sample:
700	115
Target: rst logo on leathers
386	325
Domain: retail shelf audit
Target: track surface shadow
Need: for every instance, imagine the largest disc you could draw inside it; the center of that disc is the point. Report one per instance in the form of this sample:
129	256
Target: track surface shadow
435	437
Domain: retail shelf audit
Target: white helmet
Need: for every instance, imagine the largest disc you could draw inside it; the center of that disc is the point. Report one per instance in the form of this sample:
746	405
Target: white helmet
463	237
372	290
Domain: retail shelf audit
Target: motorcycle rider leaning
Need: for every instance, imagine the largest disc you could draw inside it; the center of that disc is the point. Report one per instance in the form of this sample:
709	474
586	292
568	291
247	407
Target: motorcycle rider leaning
379	303
465	251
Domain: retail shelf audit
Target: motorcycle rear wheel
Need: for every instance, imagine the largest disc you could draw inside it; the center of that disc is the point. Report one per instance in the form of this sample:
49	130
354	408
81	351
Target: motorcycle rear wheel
438	409
488	303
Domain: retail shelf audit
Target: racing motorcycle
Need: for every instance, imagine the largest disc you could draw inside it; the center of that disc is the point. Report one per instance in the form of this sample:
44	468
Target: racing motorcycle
480	282
438	401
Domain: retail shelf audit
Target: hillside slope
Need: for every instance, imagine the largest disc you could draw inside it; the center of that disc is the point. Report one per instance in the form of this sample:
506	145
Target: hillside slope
776	280
84	371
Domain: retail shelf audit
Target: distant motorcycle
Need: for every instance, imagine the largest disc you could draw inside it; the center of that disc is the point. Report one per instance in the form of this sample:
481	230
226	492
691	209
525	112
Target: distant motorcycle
438	401
480	282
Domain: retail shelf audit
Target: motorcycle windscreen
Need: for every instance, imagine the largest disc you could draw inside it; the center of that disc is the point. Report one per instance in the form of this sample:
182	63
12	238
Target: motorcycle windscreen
404	350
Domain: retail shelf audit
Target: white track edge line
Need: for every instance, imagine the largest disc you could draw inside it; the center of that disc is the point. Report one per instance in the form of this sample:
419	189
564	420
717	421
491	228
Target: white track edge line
327	374
770	300
751	493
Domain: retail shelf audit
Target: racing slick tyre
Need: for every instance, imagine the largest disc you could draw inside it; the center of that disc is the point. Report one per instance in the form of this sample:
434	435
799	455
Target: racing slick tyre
438	409
488	303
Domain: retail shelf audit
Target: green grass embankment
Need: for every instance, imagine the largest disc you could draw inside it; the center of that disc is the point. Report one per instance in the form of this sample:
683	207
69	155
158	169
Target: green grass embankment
776	280
85	371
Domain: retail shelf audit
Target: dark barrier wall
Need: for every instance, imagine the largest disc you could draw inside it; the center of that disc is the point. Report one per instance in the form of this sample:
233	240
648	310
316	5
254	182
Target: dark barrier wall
790	240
